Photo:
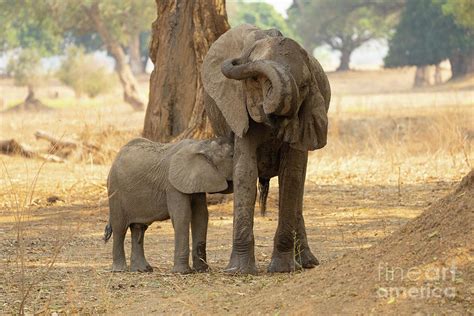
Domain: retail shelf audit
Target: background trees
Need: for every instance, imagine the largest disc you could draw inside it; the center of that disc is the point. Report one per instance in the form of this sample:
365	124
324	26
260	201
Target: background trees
49	26
260	14
461	10
426	36
429	32
342	25
26	29
104	25
81	72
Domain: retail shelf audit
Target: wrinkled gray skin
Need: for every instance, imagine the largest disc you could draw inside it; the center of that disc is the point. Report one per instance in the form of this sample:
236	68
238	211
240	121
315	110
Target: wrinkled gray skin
150	182
272	97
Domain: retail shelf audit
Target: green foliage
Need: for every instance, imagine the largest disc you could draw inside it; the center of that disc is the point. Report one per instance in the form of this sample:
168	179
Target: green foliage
144	45
260	14
50	25
28	24
81	72
341	24
25	68
426	36
462	11
121	18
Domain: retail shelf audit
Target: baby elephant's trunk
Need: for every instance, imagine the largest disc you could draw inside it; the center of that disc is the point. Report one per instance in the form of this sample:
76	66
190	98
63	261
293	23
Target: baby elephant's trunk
107	232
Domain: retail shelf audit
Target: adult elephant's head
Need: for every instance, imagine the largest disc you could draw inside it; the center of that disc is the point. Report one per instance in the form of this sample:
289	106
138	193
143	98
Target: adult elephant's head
263	75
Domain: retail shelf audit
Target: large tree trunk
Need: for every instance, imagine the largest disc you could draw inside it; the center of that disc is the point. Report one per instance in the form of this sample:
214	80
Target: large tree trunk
134	53
461	64
345	60
422	77
182	35
131	93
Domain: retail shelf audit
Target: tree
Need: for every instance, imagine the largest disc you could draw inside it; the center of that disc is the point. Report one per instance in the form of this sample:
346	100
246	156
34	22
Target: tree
341	25
425	36
82	73
28	32
26	70
462	56
461	10
113	21
137	28
181	37
260	14
27	24
131	93
127	21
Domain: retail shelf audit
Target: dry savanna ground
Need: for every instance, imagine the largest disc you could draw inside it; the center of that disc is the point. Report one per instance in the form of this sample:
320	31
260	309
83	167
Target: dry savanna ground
393	153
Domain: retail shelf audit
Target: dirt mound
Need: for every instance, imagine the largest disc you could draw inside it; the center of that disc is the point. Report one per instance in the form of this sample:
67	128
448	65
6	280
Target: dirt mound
29	105
425	266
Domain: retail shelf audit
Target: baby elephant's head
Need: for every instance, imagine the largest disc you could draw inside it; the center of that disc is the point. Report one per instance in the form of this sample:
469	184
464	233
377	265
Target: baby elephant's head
220	151
202	166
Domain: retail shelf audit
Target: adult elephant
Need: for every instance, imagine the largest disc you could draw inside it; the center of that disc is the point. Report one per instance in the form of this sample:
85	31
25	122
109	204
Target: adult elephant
268	93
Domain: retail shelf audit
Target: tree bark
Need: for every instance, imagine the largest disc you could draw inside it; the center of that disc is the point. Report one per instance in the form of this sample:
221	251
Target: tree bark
131	92
461	64
345	60
422	77
181	37
136	63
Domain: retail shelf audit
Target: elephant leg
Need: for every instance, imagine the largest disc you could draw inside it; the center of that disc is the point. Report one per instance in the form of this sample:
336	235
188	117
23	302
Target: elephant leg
138	262
245	175
179	206
118	251
303	255
199	221
291	181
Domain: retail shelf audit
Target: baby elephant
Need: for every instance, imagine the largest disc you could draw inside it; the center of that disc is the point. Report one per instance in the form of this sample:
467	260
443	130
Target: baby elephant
151	182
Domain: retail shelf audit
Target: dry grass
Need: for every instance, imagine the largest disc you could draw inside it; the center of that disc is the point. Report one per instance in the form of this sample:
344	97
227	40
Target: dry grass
381	167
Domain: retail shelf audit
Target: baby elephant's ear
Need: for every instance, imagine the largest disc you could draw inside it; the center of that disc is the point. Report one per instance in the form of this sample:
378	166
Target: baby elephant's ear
192	172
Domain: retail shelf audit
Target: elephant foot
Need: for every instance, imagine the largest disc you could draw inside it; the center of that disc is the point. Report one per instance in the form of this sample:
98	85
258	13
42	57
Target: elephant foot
119	267
244	264
140	267
306	259
200	265
282	262
182	269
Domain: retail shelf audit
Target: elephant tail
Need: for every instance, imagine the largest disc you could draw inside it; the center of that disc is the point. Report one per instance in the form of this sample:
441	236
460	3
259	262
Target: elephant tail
107	232
263	187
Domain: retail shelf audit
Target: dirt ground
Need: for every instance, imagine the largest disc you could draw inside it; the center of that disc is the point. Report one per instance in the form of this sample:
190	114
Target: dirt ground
381	169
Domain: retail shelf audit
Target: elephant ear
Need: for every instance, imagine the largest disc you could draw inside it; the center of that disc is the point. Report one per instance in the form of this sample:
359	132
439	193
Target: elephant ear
307	130
192	172
225	92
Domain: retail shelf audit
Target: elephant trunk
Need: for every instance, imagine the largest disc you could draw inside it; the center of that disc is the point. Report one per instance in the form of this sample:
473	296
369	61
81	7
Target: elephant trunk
263	187
107	232
280	92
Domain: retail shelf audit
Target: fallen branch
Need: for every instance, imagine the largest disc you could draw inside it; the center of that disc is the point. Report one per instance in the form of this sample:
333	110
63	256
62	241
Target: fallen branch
11	147
60	143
